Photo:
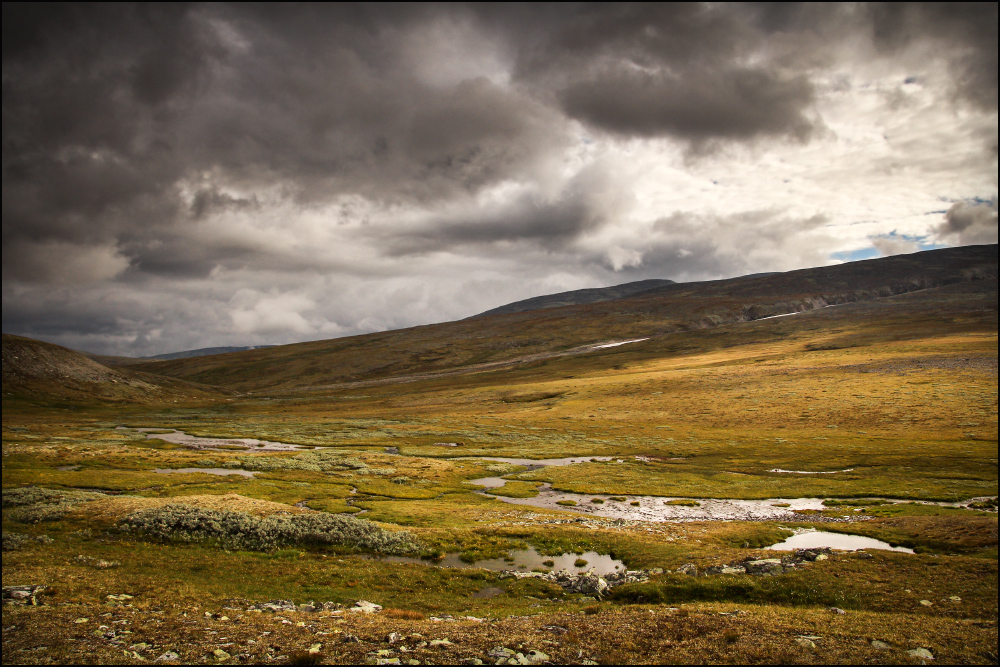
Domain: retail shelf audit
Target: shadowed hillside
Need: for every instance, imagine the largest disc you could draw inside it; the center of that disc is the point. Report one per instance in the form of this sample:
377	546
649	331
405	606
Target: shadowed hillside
34	368
578	297
506	338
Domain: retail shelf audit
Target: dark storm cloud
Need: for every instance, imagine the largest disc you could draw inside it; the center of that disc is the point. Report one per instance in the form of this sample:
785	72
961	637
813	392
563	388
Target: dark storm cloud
585	204
668	69
108	110
965	31
970	224
739	104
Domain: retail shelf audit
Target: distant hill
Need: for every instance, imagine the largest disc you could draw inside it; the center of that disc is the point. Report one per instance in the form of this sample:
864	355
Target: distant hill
489	340
123	362
32	367
577	297
206	351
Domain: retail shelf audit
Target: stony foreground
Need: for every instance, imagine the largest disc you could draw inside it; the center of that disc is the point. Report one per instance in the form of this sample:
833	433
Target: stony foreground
115	631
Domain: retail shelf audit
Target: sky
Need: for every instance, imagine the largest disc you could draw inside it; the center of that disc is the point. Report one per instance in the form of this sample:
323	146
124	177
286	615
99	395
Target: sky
186	176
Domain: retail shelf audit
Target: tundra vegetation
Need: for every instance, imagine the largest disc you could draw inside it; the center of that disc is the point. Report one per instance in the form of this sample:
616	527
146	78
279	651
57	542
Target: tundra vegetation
886	407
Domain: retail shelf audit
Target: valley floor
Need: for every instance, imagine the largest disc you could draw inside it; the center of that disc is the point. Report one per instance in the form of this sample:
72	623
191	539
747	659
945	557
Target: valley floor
886	416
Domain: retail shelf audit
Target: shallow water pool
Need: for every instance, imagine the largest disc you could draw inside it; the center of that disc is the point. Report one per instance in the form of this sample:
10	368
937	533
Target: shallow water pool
813	539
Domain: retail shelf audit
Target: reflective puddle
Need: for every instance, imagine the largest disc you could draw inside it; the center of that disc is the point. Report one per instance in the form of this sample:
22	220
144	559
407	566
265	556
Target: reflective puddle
526	560
209	471
812	539
658	508
195	442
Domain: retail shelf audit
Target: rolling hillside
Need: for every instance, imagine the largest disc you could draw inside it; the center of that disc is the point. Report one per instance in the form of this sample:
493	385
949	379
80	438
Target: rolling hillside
578	297
498	340
33	368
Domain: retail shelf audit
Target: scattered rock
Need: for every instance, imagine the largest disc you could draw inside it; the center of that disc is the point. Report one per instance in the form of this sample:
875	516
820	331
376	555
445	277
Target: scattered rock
366	607
767	567
587	583
558	629
687	568
169	656
394	638
315	648
805	643
123	597
927	603
23	594
955	598
96	562
880	645
838	611
441	642
350	639
921	653
498	652
275	606
219	654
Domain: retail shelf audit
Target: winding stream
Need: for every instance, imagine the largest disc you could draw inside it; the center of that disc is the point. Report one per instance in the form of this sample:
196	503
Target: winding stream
630	507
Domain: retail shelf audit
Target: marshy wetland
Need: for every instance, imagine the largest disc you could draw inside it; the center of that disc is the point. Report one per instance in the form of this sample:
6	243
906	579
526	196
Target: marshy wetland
680	458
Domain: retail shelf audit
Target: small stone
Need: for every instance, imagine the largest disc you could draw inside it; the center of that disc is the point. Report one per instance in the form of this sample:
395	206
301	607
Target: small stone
366	607
689	569
300	624
927	603
315	648
500	652
81	620
536	657
169	656
220	654
387	661
394	638
880	645
122	597
955	598
441	642
350	639
838	611
922	653
141	646
805	643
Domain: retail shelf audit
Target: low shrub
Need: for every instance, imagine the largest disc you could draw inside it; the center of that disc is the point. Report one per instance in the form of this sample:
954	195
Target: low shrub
239	530
33	504
504	468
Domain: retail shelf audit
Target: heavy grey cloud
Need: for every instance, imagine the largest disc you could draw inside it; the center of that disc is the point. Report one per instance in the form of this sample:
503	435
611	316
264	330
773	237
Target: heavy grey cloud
198	174
970	224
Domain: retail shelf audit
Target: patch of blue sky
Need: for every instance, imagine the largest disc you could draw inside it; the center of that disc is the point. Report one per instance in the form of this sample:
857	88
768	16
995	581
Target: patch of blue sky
871	252
855	255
